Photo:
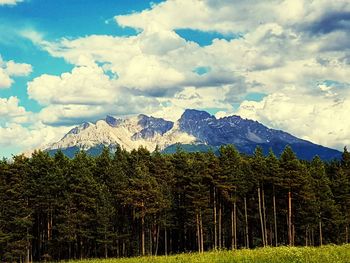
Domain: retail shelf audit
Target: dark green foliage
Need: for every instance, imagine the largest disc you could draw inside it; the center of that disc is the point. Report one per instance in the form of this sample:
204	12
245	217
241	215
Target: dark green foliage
133	203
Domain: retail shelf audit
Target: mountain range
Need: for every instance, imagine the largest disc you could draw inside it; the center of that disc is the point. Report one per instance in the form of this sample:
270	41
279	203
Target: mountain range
194	131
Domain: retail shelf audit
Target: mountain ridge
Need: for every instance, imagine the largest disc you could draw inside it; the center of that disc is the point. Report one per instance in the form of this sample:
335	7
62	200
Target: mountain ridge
196	128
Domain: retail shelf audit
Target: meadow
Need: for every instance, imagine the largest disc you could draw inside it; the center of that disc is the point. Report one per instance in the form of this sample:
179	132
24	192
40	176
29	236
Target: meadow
324	254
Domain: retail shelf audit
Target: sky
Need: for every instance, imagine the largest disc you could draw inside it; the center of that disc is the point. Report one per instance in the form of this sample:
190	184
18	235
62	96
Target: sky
284	63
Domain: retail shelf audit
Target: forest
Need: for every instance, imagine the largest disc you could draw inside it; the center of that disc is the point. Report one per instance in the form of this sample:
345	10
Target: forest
140	203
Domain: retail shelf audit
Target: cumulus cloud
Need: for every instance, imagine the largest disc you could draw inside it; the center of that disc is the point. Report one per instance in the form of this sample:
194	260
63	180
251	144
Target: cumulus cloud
193	98
9	69
322	122
84	85
87	93
10	2
28	138
232	16
18	69
295	57
12	134
5	80
221	16
20	128
10	110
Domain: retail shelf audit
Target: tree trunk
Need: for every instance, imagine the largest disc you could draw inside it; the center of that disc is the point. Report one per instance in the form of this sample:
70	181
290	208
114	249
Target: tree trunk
215	223
275	216
290	217
198	233
150	241
81	249
246	222
261	217
165	241
106	247
70	250
28	248
306	236
219	230
264	213
49	224
270	234
320	228
142	234
171	242
232	229
235	222
201	231
346	234
157	240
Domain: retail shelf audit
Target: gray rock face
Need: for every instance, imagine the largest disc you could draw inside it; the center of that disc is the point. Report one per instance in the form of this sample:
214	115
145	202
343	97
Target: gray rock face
113	122
199	128
151	126
246	135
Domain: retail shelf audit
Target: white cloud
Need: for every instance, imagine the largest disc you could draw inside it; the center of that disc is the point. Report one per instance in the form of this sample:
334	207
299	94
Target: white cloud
9	69
288	55
28	138
317	118
5	80
221	16
10	110
192	98
18	69
21	129
12	135
229	16
10	2
84	85
85	94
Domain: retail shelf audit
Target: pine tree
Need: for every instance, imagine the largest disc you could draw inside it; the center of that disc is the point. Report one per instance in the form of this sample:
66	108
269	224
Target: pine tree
143	193
291	169
259	171
324	197
345	161
80	206
273	176
162	170
229	184
340	185
16	213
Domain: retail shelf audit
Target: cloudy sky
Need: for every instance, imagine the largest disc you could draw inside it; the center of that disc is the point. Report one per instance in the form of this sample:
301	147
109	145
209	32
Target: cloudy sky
285	63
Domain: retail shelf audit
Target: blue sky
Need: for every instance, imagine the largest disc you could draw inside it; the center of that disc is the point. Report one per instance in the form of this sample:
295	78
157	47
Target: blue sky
64	62
56	19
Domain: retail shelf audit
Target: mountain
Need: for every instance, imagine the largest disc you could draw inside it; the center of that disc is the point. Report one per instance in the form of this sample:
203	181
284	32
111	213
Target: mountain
194	131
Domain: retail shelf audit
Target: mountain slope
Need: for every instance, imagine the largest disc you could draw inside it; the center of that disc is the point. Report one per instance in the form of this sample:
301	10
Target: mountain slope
128	133
196	130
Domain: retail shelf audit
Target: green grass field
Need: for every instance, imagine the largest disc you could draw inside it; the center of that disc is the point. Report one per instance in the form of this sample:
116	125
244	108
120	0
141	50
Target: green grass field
329	254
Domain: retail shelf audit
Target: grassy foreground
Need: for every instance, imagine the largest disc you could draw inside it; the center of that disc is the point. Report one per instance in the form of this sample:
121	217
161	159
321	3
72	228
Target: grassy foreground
329	254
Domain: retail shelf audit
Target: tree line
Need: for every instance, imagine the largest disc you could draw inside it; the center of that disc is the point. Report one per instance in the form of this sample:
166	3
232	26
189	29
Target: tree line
141	203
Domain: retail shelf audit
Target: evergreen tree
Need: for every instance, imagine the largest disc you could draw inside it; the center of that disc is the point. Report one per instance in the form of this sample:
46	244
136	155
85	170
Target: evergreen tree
137	203
259	171
230	183
274	178
80	207
16	213
323	203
